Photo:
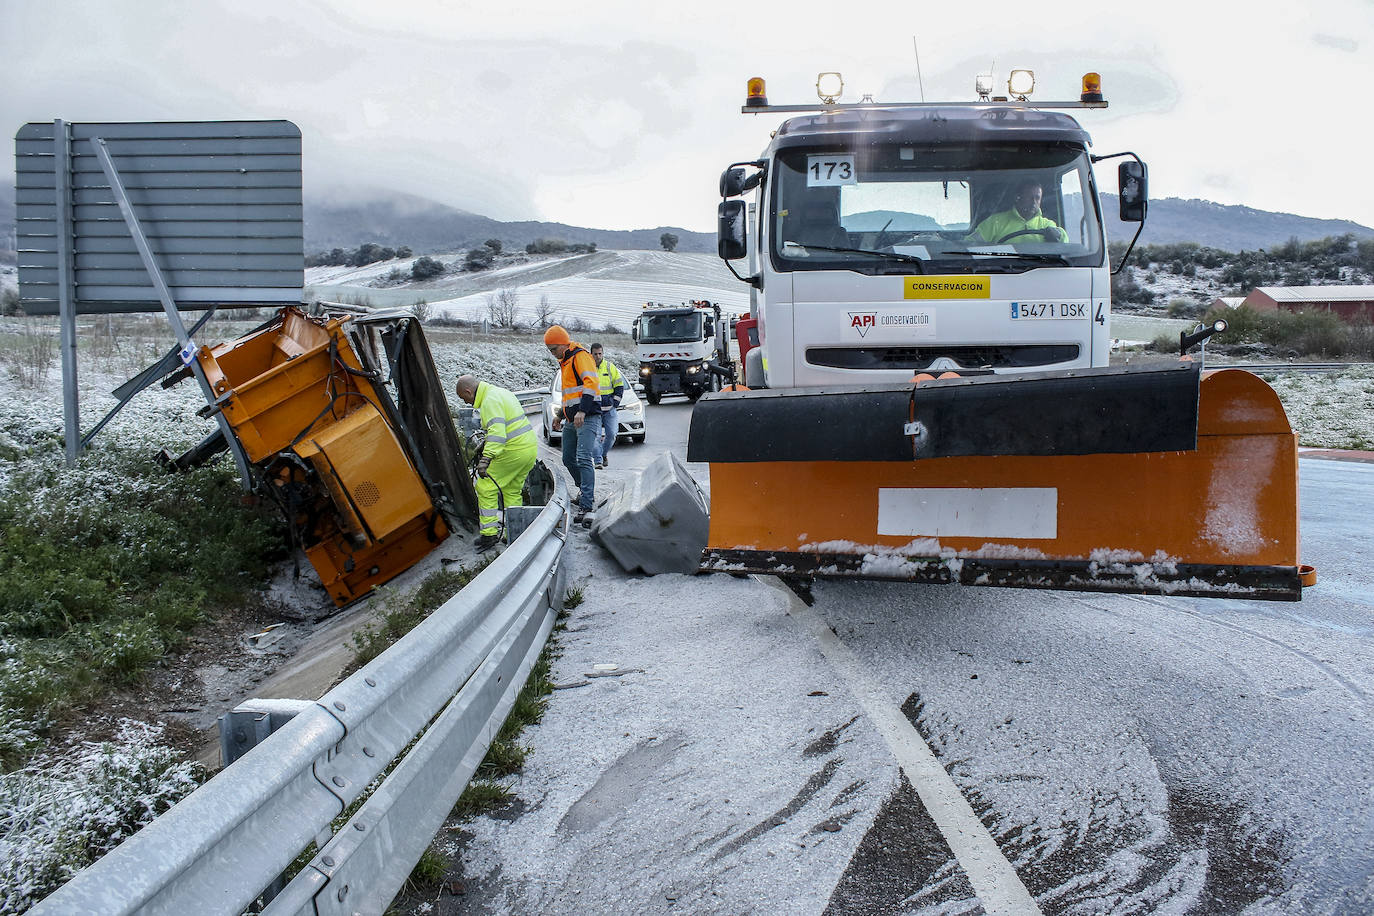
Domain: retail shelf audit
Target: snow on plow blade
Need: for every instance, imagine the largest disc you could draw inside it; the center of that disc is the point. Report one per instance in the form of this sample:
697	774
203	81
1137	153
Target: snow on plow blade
1152	481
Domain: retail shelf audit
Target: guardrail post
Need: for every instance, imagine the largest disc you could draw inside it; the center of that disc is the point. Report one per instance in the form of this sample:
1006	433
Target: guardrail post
247	725
518	518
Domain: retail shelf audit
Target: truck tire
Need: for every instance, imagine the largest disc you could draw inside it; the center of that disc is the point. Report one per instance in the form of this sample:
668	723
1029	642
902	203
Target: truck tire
652	396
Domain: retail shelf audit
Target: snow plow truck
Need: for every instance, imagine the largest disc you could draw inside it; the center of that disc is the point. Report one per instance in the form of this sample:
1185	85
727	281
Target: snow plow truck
932	399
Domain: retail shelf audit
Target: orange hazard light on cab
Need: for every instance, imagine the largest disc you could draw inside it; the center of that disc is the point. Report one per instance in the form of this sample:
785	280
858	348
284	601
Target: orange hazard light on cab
756	94
1092	88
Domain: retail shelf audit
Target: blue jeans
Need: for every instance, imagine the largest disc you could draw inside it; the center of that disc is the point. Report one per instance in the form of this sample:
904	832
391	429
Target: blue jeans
609	427
579	447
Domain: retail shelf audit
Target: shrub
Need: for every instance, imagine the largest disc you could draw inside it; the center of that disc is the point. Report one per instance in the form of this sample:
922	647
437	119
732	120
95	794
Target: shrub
426	267
1315	333
494	245
9	302
1184	308
1126	289
58	819
1165	343
546	246
478	258
108	565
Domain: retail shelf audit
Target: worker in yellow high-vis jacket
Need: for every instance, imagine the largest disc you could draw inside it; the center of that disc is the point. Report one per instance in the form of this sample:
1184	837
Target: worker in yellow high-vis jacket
507	456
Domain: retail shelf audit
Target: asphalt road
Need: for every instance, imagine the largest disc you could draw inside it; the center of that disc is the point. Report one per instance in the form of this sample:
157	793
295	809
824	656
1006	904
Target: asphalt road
1143	754
1094	753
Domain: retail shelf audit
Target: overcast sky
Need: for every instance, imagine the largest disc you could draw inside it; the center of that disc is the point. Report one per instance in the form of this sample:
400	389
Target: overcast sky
622	114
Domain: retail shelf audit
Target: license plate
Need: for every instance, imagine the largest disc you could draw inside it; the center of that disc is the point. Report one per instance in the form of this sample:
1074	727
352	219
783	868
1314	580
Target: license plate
1049	309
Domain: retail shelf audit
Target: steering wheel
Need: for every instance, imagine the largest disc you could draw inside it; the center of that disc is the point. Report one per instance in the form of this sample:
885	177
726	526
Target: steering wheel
1020	232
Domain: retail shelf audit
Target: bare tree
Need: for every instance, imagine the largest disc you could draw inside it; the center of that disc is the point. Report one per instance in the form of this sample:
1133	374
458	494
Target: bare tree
502	307
422	311
543	313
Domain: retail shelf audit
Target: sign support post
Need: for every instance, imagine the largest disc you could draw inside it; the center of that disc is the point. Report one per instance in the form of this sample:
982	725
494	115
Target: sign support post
164	295
66	295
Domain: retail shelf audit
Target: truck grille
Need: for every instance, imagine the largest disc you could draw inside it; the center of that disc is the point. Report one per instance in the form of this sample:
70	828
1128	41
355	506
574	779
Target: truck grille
917	358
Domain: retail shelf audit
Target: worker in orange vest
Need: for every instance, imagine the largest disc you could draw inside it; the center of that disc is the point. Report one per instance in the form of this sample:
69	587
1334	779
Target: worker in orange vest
580	418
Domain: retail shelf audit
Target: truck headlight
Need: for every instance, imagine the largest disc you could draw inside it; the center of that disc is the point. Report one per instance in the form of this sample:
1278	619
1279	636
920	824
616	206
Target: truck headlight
645	371
692	370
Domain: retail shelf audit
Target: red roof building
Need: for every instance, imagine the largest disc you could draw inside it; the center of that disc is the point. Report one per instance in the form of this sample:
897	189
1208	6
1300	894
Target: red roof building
1351	303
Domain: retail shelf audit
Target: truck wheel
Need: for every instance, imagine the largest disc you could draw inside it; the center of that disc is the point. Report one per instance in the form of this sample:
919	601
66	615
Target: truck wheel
653	397
694	395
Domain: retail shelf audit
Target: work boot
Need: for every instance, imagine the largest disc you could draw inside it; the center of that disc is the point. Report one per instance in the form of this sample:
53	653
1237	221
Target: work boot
605	461
597	464
487	542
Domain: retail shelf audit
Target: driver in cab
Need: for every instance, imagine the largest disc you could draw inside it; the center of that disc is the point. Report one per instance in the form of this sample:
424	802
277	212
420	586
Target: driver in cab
1023	221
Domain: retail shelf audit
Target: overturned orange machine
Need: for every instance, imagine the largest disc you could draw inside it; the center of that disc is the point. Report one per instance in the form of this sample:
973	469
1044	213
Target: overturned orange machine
369	482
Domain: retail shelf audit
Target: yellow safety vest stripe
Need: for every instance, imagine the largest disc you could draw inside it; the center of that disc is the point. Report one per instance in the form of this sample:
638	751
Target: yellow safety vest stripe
502	417
610	377
579	377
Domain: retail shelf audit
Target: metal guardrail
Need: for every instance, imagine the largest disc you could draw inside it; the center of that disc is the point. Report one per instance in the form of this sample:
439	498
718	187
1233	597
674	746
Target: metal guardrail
531	398
454	678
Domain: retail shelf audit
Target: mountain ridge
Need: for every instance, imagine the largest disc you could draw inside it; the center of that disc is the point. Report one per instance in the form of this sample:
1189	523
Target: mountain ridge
426	226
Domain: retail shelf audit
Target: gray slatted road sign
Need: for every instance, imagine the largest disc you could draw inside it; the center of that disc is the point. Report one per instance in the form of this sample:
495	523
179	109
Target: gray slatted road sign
219	203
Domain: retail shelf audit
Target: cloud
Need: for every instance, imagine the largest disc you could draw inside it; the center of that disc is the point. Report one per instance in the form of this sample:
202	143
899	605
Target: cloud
622	114
1340	43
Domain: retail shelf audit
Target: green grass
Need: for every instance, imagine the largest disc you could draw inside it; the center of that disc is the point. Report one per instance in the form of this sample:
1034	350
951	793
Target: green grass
1315	333
105	568
402	612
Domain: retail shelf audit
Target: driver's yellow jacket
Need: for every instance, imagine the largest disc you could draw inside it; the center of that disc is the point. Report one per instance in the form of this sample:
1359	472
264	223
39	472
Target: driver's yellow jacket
1000	225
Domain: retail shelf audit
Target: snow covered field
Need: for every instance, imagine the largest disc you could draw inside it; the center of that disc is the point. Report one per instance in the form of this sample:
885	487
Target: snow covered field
605	288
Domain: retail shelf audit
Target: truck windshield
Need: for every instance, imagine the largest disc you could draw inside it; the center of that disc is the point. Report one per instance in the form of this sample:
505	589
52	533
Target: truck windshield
670	328
988	208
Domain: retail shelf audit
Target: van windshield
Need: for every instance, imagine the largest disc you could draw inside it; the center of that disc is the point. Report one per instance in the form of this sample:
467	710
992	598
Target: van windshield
670	328
989	208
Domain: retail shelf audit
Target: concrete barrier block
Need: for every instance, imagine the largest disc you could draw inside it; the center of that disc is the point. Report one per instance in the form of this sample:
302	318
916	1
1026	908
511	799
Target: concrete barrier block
656	521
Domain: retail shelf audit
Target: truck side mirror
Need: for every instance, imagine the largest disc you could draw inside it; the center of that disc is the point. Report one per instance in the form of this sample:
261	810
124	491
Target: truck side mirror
708	330
1134	197
732	182
634	331
730	238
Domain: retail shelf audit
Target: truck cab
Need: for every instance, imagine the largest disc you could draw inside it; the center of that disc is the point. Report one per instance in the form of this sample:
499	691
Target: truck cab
676	344
893	241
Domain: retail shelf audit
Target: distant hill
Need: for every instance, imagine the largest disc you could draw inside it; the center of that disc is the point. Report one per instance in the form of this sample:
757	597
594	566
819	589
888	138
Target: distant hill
425	226
1223	226
399	219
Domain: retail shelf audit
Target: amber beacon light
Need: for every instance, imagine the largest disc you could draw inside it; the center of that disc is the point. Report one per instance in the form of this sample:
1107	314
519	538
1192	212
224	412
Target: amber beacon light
1092	88
757	94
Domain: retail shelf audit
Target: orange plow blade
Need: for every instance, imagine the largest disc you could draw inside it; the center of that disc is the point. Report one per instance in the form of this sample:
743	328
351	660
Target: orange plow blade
1164	481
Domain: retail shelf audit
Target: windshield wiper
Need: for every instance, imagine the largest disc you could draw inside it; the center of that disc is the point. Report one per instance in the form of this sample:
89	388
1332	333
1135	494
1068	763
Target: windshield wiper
886	255
1019	255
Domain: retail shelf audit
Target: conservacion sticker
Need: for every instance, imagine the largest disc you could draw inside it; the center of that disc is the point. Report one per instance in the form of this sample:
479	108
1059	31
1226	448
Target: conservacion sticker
955	287
893	323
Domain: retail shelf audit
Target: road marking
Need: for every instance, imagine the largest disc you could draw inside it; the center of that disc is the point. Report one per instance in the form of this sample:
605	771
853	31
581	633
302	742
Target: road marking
995	882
